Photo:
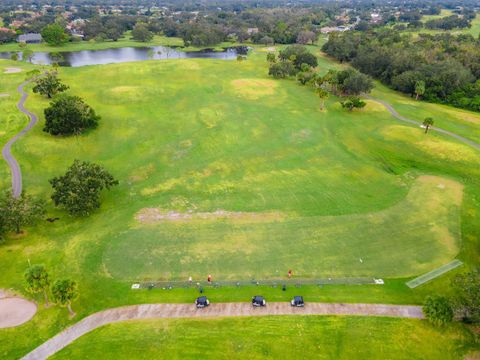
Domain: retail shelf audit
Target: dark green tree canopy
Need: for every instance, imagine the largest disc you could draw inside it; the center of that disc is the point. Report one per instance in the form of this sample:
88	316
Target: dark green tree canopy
282	69
78	191
69	115
49	84
141	33
356	83
54	34
446	66
299	55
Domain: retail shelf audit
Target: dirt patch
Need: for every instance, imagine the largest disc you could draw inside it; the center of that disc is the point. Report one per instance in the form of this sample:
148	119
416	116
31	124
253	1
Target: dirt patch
154	215
15	311
12	70
473	356
253	89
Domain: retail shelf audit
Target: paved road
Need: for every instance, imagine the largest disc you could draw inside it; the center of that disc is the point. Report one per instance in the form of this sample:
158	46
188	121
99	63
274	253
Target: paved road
7	149
404	119
159	311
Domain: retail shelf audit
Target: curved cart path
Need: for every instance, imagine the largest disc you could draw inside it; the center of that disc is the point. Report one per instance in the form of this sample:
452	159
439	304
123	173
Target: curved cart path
159	311
7	149
404	119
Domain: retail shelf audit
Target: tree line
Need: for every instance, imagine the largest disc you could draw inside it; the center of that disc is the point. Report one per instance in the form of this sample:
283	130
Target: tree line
439	68
297	61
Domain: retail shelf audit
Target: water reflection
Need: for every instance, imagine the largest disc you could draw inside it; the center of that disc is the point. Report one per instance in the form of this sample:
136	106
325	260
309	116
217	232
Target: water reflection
110	56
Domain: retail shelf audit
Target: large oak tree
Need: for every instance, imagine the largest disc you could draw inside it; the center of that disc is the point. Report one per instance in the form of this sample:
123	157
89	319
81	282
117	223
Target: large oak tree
69	115
78	191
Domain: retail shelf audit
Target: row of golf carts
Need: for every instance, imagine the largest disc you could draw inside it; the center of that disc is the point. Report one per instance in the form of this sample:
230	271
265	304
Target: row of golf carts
257	300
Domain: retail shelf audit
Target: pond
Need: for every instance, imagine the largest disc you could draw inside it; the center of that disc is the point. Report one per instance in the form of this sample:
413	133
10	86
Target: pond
110	56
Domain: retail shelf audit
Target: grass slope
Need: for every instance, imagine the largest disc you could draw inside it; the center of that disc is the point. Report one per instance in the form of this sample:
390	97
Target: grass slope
203	135
304	337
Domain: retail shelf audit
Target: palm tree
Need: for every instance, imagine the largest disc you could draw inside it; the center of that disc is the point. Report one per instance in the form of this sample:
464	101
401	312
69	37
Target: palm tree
427	123
331	79
323	95
419	89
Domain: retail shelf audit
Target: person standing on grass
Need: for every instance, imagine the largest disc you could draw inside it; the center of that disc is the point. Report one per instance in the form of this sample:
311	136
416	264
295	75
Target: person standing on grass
289	274
209	278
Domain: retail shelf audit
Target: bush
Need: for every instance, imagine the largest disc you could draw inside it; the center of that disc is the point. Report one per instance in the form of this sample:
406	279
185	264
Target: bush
353	102
438	310
282	70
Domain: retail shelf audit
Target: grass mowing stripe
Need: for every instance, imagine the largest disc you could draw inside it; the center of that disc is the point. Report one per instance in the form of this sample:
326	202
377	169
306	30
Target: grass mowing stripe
434	273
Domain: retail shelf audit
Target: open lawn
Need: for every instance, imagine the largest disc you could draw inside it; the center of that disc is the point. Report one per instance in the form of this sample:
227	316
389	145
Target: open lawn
224	170
305	337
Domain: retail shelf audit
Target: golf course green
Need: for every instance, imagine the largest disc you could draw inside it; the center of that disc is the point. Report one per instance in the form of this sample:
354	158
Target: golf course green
228	172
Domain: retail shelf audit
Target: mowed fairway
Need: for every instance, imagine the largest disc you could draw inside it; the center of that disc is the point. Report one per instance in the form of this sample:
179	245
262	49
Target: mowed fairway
223	170
416	234
275	337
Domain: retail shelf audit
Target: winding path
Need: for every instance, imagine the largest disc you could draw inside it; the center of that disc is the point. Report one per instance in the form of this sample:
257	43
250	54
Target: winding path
161	311
7	149
404	119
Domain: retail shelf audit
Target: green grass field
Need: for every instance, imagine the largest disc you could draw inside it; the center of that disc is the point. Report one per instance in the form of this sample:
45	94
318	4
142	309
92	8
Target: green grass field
270	182
304	337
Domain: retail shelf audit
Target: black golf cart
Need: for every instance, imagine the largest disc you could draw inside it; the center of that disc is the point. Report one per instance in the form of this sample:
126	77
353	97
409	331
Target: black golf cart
298	301
258	301
202	302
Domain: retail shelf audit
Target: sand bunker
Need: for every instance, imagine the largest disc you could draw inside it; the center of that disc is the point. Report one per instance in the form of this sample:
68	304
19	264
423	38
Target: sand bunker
153	215
15	311
11	70
4	95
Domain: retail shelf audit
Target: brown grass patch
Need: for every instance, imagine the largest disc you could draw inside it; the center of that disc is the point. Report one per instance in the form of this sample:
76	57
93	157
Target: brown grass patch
155	215
253	89
142	173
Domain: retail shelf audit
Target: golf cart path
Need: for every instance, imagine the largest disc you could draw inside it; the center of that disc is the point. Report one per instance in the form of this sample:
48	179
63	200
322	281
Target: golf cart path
413	122
7	149
161	311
